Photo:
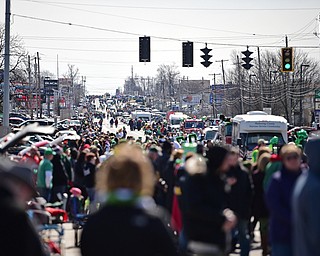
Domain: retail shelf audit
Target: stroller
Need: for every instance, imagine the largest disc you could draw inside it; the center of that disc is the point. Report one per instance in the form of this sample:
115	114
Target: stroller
48	220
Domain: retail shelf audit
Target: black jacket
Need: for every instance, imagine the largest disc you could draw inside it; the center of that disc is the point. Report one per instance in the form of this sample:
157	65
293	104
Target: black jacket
17	236
204	199
259	207
123	231
240	198
59	175
78	173
89	180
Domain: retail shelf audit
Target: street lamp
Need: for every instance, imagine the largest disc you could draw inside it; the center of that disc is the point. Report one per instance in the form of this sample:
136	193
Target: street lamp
300	95
250	98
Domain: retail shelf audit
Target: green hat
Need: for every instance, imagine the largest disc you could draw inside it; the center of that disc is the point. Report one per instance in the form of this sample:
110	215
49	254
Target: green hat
49	151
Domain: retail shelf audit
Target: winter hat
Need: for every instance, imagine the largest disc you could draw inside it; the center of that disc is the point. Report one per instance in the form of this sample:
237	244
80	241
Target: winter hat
75	191
216	156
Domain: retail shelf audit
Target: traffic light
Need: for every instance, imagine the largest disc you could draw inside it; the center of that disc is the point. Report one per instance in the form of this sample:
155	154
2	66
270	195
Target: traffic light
144	49
187	54
287	64
247	59
206	57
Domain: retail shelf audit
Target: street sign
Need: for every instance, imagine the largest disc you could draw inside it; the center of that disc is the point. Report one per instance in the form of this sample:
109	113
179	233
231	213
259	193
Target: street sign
50	86
317	106
317	95
211	98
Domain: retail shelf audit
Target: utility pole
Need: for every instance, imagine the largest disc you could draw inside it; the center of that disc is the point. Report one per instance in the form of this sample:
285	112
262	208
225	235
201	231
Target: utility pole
132	80
6	85
58	67
36	86
30	101
240	86
300	94
289	106
260	79
270	89
39	79
224	83
214	105
250	89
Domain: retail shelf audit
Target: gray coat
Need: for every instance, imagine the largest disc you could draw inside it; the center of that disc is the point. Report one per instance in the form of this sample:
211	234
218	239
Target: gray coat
306	206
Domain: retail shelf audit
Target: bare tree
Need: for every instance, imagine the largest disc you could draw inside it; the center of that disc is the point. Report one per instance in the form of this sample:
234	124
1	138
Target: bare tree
280	91
18	56
167	77
73	75
47	73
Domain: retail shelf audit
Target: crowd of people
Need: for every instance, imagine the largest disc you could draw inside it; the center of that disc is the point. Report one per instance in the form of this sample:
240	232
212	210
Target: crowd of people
154	197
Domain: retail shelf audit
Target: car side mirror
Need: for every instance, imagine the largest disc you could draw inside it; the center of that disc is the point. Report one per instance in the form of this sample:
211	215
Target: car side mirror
239	142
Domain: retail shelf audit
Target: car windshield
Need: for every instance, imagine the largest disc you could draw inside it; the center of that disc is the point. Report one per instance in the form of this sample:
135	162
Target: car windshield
144	118
210	135
194	124
175	121
251	139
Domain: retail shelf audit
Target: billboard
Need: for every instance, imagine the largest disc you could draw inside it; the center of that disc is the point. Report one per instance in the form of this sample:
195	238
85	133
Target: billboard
50	85
191	99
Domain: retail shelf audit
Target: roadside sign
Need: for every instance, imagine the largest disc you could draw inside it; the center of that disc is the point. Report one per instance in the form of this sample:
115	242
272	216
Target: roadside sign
50	86
317	105
317	95
211	98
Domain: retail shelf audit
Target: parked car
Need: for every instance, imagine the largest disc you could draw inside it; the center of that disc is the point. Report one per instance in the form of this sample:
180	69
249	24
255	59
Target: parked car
41	122
15	121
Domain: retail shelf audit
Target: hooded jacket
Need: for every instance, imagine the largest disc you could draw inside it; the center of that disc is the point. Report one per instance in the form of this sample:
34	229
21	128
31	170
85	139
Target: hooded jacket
273	166
279	202
204	199
306	207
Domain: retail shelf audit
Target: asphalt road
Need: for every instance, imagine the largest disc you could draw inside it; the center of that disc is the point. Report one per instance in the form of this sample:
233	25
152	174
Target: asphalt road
71	250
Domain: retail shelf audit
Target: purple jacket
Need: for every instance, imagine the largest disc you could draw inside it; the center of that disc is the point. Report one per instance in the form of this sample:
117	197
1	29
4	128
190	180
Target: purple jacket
279	202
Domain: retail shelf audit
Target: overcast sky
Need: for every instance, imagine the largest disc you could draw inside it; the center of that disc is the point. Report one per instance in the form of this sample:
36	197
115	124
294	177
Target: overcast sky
105	52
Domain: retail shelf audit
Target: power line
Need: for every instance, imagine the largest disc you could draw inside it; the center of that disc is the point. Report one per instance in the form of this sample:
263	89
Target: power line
180	8
93	50
144	20
136	34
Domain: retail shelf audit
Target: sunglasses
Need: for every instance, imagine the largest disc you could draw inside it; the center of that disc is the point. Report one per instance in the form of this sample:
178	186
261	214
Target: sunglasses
292	157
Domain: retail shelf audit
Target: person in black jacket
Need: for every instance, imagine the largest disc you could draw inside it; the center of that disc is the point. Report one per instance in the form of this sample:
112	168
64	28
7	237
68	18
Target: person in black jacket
122	227
78	173
240	199
59	178
17	235
207	221
259	209
89	179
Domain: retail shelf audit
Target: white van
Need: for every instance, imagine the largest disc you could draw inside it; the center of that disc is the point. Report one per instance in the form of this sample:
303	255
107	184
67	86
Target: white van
144	116
176	119
247	129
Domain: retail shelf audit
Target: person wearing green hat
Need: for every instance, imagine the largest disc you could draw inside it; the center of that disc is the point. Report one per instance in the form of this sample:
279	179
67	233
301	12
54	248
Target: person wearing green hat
44	178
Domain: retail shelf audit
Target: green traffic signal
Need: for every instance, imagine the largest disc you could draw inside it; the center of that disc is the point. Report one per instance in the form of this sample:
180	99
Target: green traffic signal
287	63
